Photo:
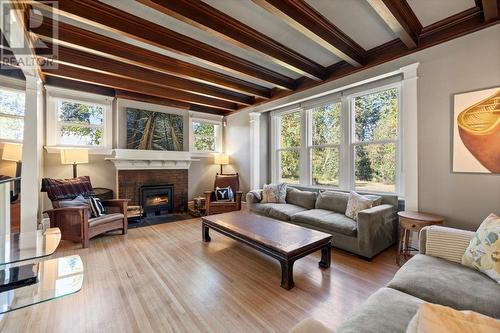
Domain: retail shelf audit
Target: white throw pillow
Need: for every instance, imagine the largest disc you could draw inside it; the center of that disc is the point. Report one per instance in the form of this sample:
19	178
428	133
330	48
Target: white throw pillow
274	193
357	203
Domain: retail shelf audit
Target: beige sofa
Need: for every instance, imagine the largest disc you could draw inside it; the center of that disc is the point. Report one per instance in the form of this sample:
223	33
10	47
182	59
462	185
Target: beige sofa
423	278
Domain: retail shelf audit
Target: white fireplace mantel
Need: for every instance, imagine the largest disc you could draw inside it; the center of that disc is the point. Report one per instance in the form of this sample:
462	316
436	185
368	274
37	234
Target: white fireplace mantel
133	159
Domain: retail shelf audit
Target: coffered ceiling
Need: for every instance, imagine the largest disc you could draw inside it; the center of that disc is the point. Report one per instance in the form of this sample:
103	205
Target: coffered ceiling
220	56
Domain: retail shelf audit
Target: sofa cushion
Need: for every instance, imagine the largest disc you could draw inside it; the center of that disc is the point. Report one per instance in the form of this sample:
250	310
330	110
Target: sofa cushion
447	283
387	311
332	200
300	198
260	208
327	220
105	218
284	211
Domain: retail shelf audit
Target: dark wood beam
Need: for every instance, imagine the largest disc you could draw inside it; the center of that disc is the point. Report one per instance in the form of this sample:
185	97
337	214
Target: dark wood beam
79	86
456	26
304	18
112	48
200	15
109	66
491	9
400	18
84	75
168	102
111	19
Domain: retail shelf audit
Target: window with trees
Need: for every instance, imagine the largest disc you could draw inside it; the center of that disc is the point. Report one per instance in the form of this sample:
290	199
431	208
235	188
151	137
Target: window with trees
350	141
205	136
11	114
375	140
289	146
324	149
80	124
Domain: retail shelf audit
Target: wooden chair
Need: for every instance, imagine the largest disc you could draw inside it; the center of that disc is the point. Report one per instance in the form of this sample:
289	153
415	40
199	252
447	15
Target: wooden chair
75	224
216	207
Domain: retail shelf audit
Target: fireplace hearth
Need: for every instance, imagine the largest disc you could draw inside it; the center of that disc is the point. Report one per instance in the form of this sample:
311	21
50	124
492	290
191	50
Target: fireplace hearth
156	200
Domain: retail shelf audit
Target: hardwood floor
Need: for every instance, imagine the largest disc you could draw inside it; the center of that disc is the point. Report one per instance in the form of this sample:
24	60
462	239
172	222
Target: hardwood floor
165	279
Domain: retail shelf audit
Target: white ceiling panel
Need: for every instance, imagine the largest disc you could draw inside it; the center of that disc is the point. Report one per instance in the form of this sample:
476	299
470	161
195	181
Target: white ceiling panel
356	19
261	20
432	11
137	9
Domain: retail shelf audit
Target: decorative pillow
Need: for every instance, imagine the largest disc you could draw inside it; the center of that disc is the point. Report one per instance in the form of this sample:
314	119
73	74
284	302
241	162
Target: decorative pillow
483	252
355	204
62	189
78	201
274	193
96	207
432	318
224	194
446	243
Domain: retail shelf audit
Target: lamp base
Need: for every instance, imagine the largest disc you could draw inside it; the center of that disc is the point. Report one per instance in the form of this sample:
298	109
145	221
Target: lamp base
74	171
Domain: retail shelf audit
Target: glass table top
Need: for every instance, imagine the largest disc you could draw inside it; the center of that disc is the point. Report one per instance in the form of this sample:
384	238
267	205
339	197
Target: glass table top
28	245
56	278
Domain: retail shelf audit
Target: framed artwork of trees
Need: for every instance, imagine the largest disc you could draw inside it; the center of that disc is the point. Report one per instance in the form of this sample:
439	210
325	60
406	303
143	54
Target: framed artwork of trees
149	130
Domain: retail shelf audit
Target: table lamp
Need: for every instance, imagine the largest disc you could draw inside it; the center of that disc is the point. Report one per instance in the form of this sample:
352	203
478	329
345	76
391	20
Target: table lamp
75	157
221	159
13	152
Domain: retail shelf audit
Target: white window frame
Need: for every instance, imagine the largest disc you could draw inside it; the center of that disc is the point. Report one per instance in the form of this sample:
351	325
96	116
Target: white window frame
352	135
310	146
347	142
203	118
12	116
279	149
54	95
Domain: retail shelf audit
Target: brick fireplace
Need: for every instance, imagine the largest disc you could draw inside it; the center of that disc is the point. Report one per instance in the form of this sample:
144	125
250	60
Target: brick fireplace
130	182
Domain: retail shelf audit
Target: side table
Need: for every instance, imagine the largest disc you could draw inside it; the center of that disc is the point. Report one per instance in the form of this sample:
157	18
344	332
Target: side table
412	221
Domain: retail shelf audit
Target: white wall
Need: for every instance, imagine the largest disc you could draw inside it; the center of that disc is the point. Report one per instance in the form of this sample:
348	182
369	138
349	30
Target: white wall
468	63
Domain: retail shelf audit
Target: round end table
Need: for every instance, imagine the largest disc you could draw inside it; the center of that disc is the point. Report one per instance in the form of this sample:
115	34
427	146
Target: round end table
410	221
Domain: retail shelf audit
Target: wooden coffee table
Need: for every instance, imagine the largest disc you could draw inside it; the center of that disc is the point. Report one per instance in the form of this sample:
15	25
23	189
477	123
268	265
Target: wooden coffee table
280	240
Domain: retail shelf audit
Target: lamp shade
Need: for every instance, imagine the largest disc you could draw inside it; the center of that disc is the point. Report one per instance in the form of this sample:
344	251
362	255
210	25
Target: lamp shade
78	156
221	159
12	152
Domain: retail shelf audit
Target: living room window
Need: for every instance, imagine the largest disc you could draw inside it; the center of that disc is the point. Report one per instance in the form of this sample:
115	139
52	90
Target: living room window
206	135
11	114
348	141
80	124
76	119
324	144
290	124
375	140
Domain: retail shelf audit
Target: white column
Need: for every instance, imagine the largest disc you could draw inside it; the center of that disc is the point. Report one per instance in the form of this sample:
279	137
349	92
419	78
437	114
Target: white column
409	165
5	208
254	150
32	154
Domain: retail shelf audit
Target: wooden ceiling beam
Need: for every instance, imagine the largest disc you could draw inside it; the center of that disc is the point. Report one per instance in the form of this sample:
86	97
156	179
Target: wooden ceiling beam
458	25
201	15
168	102
400	18
97	63
84	75
112	48
304	18
111	19
491	9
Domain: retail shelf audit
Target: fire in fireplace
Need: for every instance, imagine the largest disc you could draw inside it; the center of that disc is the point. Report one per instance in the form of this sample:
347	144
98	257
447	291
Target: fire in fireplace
157	199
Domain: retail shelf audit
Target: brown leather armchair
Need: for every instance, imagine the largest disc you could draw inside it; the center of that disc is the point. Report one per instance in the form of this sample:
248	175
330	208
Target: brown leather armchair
76	226
216	207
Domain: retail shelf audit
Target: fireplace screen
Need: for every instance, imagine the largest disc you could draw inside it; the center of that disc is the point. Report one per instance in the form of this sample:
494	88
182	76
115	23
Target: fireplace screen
157	199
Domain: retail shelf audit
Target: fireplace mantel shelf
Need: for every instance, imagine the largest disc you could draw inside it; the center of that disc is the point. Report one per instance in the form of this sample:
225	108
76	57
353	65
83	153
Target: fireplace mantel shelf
132	159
